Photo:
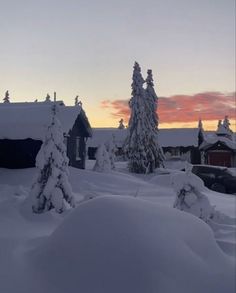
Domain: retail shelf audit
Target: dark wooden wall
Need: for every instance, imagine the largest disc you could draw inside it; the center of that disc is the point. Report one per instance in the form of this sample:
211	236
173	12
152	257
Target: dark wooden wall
19	153
78	130
16	154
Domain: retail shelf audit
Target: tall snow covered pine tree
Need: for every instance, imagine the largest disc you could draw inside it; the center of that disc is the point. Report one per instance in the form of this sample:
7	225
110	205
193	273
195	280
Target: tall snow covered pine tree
140	142
52	188
152	103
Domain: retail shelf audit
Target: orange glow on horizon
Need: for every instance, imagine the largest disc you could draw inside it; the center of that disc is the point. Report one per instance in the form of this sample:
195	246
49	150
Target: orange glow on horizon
182	111
209	125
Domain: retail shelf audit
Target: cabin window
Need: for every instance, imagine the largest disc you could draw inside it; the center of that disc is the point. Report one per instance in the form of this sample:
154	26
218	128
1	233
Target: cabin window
77	149
175	152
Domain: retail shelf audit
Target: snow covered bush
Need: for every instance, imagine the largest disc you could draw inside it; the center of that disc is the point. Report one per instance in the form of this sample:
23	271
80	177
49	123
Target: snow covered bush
111	149
189	196
103	162
52	188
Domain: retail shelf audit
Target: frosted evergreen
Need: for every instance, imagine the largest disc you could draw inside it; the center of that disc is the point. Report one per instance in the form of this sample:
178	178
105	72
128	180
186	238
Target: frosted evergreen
52	188
48	98
76	100
152	99
201	135
111	149
200	125
227	124
152	105
121	124
223	128
6	99
141	144
103	162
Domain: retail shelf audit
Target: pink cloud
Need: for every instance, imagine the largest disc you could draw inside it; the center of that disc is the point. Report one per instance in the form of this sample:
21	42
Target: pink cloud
183	108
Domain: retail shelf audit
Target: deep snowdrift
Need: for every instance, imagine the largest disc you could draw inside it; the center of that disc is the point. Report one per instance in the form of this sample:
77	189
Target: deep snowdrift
123	244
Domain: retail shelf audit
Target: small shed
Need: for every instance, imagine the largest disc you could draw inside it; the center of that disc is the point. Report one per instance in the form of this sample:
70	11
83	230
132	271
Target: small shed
23	127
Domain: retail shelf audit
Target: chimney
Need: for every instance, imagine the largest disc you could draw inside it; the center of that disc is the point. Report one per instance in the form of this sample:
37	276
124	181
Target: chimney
54	96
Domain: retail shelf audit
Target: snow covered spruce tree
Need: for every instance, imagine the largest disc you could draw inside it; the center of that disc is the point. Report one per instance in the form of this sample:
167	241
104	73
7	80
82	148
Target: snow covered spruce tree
141	144
48	98
103	162
152	103
52	188
121	124
6	99
226	125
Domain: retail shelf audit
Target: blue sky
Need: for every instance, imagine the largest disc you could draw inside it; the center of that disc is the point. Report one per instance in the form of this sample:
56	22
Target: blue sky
89	47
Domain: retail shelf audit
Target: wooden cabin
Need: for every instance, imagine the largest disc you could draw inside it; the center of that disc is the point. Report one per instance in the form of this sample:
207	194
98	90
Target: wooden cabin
182	143
219	151
23	127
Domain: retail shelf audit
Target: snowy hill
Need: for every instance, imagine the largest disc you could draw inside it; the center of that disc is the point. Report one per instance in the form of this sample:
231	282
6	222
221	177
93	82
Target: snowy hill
129	238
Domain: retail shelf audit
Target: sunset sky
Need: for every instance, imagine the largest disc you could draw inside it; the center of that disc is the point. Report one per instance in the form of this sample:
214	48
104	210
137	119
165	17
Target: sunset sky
88	48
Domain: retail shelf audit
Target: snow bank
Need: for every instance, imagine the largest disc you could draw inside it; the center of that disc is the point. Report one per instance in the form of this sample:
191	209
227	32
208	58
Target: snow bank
121	244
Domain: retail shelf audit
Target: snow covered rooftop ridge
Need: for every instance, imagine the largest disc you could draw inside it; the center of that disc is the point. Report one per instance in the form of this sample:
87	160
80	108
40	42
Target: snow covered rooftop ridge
23	104
31	121
167	137
175	137
103	135
211	140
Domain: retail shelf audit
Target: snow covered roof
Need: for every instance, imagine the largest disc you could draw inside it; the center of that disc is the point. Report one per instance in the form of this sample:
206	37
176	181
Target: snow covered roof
167	137
103	135
30	120
23	104
179	137
213	139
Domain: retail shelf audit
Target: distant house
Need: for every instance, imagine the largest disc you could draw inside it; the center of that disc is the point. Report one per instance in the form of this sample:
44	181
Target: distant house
182	143
23	127
219	149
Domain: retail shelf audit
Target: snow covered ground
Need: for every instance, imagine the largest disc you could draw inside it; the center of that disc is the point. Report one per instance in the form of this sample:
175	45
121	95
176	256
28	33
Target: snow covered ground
124	236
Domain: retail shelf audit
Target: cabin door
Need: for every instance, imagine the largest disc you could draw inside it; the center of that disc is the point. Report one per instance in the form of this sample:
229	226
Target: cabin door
219	158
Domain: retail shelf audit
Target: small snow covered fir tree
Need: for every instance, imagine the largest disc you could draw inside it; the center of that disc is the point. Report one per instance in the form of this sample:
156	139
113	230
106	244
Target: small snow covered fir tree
200	125
48	98
201	135
223	128
121	124
226	125
103	162
6	99
76	100
52	188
